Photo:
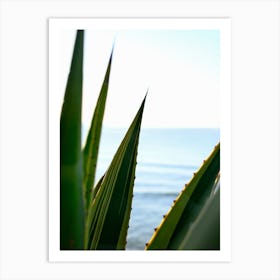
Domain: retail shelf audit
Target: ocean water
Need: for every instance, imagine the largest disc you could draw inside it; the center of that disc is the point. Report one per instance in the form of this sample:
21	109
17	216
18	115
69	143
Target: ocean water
167	159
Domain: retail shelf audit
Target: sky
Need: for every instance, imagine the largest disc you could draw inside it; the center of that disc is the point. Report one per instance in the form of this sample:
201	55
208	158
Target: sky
179	68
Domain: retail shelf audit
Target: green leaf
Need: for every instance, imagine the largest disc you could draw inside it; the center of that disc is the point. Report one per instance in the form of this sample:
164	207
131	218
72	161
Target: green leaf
109	211
204	233
71	195
90	151
176	224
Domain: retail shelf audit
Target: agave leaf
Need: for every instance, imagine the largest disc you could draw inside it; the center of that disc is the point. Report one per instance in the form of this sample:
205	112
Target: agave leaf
176	224
204	233
71	196
90	151
109	211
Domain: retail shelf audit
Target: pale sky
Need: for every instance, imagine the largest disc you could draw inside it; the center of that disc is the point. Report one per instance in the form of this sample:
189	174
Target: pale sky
180	68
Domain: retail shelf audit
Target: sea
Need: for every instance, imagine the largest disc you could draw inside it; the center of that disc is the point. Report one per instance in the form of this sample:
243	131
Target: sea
166	161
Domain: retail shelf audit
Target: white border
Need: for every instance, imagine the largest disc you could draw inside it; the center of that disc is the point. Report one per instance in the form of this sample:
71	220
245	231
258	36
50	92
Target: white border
255	125
55	27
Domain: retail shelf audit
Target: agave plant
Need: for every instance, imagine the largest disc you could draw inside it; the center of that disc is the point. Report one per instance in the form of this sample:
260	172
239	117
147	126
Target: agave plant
71	197
79	201
174	230
97	218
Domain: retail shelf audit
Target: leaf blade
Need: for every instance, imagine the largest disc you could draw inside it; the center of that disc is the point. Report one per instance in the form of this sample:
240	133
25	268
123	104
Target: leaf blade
204	233
71	200
188	204
109	211
90	151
